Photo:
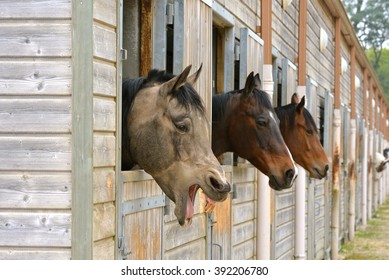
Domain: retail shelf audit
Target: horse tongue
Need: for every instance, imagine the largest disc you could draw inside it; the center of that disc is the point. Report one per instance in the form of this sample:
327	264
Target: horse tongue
189	211
210	205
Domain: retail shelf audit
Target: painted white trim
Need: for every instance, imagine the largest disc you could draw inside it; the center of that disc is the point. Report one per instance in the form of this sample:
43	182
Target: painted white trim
292	65
207	2
227	17
255	36
313	82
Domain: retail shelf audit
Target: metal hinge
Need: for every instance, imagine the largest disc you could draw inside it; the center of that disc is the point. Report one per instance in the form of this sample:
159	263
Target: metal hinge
170	13
123	54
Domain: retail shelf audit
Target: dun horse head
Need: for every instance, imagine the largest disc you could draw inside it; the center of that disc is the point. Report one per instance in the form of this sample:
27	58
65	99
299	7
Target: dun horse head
244	122
166	132
301	135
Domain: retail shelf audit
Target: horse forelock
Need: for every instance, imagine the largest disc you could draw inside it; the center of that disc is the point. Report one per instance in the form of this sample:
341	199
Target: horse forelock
219	102
186	95
286	113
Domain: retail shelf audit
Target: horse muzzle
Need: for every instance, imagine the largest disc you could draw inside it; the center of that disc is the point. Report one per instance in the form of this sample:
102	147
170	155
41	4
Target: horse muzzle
285	182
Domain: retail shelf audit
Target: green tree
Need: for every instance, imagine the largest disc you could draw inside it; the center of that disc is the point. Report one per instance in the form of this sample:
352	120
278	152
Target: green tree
370	19
383	69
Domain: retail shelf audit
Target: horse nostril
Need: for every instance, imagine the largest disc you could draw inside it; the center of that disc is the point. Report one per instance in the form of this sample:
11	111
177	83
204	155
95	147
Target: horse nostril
221	187
289	174
326	169
215	184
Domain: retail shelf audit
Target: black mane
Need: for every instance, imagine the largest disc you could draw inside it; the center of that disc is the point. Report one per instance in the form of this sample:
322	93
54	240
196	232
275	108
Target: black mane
285	113
219	102
185	95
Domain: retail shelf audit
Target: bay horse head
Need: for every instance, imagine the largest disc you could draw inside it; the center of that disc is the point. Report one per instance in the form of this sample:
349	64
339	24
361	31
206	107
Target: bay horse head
166	132
244	122
301	135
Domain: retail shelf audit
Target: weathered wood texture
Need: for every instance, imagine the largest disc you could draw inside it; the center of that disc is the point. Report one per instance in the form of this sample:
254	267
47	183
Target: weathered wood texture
198	46
243	213
284	224
142	230
222	227
105	127
320	65
35	127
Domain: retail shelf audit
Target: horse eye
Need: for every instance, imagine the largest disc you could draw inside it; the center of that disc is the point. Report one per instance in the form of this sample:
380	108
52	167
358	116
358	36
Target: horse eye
261	122
182	127
309	131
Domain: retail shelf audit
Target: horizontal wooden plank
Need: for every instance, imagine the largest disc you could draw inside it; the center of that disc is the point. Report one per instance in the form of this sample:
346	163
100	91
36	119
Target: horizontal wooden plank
104	114
104	78
284	249
243	212
176	235
284	231
104	220
36	9
104	249
36	115
285	215
244	192
104	43
104	185
244	251
191	251
243	232
15	253
35	153
143	234
104	153
105	11
242	175
41	228
285	199
35	39
29	190
30	77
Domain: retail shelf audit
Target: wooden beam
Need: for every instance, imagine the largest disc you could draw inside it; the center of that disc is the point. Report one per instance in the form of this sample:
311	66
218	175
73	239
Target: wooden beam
302	49
365	97
82	130
371	95
266	28
146	38
352	82
337	72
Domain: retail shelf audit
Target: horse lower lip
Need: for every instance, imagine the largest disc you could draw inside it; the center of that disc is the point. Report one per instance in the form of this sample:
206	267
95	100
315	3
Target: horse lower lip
318	173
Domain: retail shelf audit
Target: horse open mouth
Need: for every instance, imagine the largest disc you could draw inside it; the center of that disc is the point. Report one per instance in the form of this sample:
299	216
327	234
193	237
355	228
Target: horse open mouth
190	204
209	206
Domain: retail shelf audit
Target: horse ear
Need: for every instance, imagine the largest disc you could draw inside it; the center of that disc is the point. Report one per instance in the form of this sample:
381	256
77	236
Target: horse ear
192	79
257	80
295	99
300	106
249	85
176	82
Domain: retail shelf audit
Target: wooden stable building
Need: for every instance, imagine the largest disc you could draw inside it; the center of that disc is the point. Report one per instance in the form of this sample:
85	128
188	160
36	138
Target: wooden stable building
62	192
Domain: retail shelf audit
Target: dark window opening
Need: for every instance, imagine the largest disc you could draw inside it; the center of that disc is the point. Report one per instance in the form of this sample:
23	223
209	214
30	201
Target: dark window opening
321	119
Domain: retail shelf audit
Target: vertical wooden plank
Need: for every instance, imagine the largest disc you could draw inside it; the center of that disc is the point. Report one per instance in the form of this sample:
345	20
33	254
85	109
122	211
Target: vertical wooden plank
82	132
146	39
302	43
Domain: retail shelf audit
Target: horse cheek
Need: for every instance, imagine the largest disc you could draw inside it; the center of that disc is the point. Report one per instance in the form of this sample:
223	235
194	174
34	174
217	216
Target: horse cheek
153	153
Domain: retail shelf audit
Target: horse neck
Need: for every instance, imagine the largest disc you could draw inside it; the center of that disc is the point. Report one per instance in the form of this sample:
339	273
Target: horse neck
220	141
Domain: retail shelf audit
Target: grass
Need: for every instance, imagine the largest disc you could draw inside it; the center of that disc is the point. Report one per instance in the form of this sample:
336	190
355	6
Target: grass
371	243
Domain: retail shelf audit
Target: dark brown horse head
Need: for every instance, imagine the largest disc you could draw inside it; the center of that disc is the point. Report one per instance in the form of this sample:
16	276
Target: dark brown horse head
244	122
301	135
166	132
